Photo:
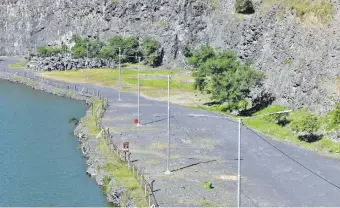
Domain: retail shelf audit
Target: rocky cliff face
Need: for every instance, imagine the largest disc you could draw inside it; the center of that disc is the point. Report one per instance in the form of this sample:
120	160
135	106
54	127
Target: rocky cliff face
300	58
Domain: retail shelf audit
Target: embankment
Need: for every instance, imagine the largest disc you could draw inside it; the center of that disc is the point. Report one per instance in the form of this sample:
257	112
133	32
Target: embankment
93	147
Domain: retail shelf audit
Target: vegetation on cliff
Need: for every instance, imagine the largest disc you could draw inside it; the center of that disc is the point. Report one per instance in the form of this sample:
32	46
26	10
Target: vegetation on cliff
222	76
130	48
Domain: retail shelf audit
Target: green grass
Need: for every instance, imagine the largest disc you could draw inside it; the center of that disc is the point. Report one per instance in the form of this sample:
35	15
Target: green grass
285	133
118	169
265	126
153	82
323	10
21	64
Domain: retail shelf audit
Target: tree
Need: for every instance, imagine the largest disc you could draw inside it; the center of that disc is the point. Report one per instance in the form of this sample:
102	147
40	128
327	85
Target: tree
222	76
47	51
150	47
244	6
85	47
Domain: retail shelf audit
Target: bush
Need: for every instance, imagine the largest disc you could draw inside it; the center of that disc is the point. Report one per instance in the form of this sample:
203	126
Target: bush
46	51
223	77
85	47
302	122
244	6
335	117
280	119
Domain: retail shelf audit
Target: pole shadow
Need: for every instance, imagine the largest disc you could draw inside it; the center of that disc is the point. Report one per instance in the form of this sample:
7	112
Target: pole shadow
156	121
188	166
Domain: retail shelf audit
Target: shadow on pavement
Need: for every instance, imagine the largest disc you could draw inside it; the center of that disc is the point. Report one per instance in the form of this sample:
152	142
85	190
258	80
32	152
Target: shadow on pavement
188	166
159	120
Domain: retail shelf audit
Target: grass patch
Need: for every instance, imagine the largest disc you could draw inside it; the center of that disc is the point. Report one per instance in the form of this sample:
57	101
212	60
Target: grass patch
151	80
124	177
21	64
115	167
322	10
264	126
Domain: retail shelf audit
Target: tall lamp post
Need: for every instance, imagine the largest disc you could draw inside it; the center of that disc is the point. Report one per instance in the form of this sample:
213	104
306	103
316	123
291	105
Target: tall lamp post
168	156
239	146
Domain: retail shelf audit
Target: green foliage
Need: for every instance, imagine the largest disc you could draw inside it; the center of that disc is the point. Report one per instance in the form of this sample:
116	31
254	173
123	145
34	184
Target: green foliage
288	62
85	47
279	119
150	47
323	10
244	7
222	76
187	51
331	121
130	49
106	185
303	122
214	4
335	117
73	120
46	51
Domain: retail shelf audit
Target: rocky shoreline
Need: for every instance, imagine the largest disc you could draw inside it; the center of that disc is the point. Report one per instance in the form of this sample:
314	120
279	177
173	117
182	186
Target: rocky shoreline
95	159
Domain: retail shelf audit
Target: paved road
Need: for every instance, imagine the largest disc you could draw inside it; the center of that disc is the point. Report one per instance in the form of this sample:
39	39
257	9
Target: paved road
205	149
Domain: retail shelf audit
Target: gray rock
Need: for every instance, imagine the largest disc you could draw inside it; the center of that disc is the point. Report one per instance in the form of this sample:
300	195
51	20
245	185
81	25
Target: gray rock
91	171
300	61
65	62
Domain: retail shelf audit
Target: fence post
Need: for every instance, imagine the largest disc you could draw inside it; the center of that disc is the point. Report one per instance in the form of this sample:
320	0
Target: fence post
145	190
149	201
141	179
129	160
133	170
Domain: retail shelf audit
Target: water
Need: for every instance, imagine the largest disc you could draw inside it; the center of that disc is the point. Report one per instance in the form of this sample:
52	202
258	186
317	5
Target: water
40	164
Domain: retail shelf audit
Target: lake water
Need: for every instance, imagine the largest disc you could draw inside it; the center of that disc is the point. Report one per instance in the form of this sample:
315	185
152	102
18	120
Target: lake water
40	164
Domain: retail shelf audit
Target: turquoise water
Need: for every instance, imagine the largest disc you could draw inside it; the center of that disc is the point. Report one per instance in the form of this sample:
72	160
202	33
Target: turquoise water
40	164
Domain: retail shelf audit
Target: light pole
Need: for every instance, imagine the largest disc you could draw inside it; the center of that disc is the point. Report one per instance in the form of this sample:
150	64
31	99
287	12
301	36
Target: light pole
239	146
120	81
138	116
168	158
239	163
87	61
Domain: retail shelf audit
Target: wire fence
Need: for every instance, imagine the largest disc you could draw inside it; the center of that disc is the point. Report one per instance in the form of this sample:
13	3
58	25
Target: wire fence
74	90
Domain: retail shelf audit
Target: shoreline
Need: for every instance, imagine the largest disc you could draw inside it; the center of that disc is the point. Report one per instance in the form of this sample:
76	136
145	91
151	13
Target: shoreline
88	145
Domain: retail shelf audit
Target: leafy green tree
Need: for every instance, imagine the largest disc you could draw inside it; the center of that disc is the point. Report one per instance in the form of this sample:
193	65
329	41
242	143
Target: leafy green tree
47	51
85	47
150	47
222	76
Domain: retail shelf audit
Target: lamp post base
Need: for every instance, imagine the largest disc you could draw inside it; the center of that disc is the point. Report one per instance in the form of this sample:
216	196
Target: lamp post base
167	172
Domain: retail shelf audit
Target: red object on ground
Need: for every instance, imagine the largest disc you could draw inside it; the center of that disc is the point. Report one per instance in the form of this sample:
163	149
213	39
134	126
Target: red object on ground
136	121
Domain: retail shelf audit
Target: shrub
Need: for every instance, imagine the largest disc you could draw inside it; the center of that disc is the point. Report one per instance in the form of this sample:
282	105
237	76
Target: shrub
222	76
335	118
302	122
46	51
244	6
